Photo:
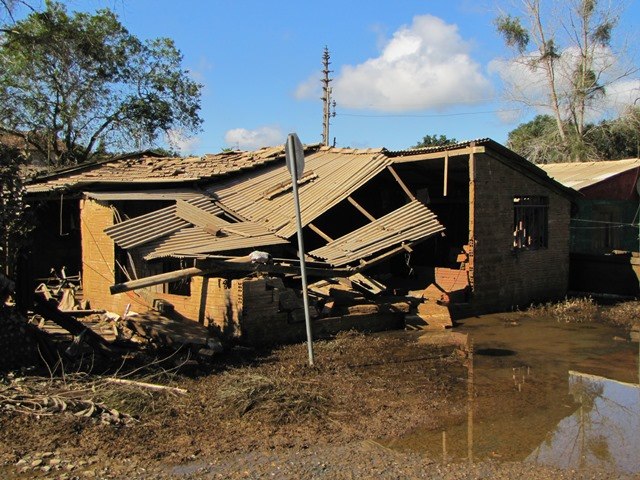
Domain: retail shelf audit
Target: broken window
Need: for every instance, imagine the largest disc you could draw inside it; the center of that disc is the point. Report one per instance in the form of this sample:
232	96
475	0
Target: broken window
530	222
181	286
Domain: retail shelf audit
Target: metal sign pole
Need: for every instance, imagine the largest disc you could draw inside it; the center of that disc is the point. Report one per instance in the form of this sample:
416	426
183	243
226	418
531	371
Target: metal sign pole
296	165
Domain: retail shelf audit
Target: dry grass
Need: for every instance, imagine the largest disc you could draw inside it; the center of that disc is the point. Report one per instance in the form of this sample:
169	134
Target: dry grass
585	309
279	399
623	314
569	310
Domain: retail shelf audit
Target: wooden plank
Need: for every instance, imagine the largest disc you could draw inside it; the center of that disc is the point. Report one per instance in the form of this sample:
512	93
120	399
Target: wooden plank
320	232
49	310
361	209
435	155
446	174
401	183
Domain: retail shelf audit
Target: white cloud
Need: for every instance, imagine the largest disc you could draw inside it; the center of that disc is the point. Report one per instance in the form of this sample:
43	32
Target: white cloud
243	139
528	85
311	88
182	142
424	65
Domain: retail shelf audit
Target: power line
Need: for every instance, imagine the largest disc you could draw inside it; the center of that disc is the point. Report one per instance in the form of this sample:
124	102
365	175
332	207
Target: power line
431	115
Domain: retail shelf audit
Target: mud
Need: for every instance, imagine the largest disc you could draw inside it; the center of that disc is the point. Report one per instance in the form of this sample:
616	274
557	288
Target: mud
383	401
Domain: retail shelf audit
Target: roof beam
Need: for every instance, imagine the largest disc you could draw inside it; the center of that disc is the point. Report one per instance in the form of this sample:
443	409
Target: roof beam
401	183
320	232
441	154
360	208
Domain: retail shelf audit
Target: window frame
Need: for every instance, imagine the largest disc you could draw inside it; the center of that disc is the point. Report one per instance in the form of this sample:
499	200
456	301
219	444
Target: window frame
530	222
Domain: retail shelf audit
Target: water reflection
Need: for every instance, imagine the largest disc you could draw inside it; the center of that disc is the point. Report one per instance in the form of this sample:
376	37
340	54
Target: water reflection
603	432
519	406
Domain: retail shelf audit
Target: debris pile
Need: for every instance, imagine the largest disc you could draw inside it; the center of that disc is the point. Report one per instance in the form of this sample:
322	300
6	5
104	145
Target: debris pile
37	396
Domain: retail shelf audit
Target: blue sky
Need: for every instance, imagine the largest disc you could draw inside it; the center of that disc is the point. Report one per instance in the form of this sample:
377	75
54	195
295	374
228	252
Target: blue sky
402	68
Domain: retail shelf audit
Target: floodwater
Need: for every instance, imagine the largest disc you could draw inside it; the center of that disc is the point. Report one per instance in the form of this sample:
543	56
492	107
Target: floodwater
557	394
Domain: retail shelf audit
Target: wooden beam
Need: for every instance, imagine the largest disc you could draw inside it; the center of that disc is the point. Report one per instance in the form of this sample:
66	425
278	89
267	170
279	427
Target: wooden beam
49	310
208	267
157	279
361	209
446	174
434	155
320	232
401	183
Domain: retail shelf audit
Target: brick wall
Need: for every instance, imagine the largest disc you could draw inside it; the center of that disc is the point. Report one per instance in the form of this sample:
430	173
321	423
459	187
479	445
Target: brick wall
504	278
210	302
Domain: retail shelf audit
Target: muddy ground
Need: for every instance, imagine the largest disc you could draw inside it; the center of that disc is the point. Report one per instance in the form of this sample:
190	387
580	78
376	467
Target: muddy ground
254	414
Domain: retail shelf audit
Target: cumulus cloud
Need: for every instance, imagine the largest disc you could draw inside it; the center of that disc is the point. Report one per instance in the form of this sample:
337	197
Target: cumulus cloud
311	88
244	139
424	65
527	83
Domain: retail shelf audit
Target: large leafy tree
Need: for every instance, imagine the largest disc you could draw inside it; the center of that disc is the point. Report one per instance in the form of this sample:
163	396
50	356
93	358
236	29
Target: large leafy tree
75	84
567	50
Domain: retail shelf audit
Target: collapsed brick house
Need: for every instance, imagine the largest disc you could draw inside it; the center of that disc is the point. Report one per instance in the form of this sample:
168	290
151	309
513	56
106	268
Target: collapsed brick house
473	210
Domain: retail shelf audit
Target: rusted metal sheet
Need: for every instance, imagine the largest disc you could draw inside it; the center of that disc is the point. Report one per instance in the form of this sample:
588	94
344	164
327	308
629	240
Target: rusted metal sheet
337	173
145	228
410	223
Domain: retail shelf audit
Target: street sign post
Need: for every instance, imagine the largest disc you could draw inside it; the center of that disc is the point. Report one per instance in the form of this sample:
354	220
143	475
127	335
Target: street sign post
294	155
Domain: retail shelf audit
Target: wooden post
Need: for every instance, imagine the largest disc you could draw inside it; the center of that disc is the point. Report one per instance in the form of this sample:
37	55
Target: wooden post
446	174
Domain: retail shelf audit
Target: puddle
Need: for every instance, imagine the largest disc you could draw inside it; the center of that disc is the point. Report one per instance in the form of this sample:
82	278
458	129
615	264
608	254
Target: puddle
540	391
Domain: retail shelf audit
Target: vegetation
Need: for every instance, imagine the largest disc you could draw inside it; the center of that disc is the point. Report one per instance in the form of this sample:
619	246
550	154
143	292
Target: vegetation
585	309
539	140
570	310
15	223
574	64
281	400
76	84
435	141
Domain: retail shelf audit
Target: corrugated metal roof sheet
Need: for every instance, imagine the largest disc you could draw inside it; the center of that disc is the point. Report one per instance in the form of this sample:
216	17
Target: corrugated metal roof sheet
145	228
579	175
147	169
143	195
410	223
194	240
337	173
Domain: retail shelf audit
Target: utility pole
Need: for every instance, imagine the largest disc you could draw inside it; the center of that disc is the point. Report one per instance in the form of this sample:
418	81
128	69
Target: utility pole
327	104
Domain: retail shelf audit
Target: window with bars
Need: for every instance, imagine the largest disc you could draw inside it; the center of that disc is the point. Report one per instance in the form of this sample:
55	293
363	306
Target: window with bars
530	222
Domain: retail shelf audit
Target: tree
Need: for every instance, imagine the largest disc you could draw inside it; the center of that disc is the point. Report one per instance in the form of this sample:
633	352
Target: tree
538	140
69	83
15	222
576	62
435	141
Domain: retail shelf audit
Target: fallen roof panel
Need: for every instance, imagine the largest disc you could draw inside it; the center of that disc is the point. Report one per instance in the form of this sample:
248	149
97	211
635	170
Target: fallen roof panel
194	241
410	223
337	173
145	228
